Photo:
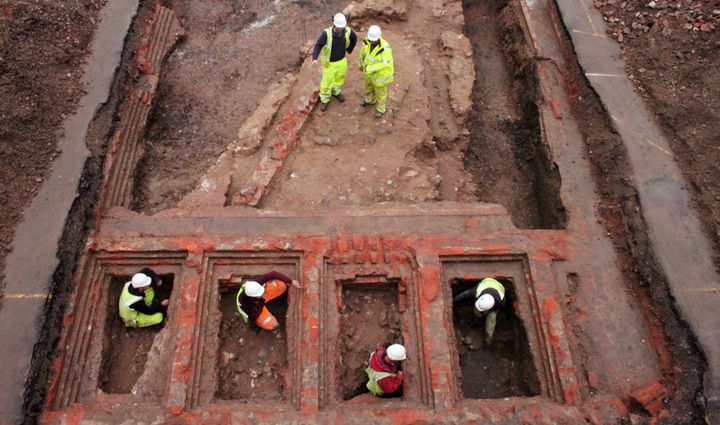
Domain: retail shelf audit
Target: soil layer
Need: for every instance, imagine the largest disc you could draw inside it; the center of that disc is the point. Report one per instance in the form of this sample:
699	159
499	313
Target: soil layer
671	54
370	317
252	363
504	368
42	48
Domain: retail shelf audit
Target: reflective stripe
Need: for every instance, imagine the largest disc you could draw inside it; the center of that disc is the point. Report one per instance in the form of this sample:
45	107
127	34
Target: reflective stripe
266	321
383	80
327	48
244	315
490	283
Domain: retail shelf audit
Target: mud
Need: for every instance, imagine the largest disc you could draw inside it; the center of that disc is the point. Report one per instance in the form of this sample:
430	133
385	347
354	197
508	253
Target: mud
505	153
681	361
252	363
125	350
369	317
503	369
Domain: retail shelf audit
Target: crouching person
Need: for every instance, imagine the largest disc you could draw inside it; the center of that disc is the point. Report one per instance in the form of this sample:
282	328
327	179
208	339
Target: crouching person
138	306
385	377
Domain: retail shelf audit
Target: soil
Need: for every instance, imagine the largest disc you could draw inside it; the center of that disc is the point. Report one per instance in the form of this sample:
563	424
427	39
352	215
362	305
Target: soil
212	82
370	317
42	48
503	369
681	362
252	363
504	154
671	53
125	350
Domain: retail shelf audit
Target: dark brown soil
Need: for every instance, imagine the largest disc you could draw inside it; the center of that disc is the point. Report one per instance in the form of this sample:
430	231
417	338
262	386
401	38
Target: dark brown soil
504	154
370	317
125	350
252	363
42	48
503	369
680	360
212	82
672	56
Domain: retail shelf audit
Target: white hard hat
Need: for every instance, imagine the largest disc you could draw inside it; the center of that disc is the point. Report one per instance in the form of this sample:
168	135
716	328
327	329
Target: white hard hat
140	280
339	20
374	33
254	289
485	303
396	352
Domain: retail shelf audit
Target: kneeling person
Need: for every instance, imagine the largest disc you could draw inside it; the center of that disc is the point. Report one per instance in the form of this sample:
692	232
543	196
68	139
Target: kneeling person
385	376
489	298
138	307
254	294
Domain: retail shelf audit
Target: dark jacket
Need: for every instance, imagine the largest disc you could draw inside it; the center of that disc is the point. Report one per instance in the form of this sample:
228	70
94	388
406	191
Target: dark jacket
252	306
140	306
470	294
337	51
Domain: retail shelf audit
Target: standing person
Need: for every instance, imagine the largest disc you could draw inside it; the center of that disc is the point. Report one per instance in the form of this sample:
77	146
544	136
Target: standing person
137	306
254	294
385	375
376	63
489	297
331	47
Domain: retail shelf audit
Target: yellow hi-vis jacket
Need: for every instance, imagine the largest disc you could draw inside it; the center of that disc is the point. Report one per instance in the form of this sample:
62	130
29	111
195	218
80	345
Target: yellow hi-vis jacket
377	63
127	314
327	48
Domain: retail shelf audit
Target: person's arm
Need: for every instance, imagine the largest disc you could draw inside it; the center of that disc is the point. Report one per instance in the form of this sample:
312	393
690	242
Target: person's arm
391	384
353	41
464	295
319	45
273	275
141	307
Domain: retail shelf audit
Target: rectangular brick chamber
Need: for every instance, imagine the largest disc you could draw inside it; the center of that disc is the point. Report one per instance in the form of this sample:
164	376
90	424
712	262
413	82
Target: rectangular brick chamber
369	317
125	350
236	362
509	366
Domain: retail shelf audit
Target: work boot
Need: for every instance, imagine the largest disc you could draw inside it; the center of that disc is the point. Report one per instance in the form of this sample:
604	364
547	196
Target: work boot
365	104
323	106
379	114
339	97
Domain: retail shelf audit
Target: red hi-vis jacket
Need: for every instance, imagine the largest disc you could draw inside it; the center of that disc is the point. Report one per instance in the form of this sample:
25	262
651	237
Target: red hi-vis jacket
389	384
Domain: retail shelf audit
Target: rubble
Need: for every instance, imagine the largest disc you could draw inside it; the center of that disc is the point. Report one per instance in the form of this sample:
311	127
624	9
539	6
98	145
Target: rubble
391	9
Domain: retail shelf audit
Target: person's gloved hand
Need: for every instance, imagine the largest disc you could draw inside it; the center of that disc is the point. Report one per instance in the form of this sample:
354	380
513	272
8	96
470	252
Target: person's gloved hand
165	302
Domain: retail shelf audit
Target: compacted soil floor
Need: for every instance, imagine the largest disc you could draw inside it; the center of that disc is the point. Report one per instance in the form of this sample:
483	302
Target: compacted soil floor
252	363
370	317
42	48
125	350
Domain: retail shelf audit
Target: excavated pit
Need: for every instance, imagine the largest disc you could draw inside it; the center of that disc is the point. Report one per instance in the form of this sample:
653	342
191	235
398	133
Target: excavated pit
125	350
252	363
503	369
369	317
506	154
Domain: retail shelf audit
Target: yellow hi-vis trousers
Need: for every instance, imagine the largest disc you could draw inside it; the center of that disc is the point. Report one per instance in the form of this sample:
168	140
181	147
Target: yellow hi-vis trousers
375	95
333	79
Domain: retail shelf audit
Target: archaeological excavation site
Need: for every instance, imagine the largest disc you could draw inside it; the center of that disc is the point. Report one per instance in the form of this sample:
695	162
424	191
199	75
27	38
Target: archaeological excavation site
516	145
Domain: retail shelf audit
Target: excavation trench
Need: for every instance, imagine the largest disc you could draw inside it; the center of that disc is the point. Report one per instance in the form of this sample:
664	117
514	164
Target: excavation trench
125	350
504	368
252	363
506	155
369	317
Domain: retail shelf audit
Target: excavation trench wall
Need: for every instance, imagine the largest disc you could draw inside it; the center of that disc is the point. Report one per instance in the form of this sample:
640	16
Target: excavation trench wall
506	154
681	361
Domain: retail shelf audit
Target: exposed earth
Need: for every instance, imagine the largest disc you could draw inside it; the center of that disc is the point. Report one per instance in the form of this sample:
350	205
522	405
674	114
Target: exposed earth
464	126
